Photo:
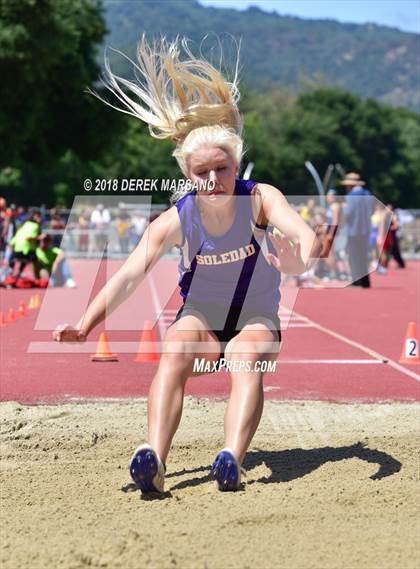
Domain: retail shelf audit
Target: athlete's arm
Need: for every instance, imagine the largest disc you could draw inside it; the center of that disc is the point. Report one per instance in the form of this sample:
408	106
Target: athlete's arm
161	235
281	215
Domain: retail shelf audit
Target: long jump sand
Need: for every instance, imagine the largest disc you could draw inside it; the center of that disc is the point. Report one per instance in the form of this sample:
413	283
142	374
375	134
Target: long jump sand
328	486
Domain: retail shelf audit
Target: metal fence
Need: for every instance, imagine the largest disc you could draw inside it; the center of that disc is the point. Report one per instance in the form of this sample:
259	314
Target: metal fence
88	242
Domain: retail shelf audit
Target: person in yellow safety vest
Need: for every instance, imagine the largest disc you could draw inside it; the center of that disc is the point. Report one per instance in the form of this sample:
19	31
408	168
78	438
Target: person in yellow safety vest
24	243
52	260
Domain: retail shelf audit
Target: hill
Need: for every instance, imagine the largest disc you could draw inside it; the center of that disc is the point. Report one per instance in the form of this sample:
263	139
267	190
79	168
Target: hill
370	60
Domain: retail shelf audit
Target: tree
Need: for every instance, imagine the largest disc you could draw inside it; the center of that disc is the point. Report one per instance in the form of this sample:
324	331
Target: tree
330	125
47	59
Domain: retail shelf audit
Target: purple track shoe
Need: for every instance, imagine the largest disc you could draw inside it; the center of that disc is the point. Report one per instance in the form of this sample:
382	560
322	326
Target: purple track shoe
147	470
226	471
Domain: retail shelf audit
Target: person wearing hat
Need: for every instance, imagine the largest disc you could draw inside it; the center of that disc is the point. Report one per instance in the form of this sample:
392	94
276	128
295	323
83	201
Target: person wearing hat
357	215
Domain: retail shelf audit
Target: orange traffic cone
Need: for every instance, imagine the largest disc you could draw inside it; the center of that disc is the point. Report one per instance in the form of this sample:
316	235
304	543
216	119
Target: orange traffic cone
31	303
22	309
37	301
11	316
410	349
103	353
2	320
147	347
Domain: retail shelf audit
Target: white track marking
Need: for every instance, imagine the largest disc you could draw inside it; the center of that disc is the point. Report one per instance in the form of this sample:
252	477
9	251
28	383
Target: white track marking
157	305
295	325
167	316
402	369
329	361
89	347
363	348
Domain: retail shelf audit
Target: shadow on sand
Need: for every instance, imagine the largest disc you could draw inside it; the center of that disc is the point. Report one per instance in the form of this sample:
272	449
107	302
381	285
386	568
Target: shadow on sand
288	465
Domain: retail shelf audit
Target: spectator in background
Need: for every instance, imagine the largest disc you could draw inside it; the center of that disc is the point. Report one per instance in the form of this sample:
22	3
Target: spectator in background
123	227
373	236
138	227
3	225
57	227
333	220
100	220
52	260
21	216
394	229
24	243
308	211
388	240
9	230
383	240
357	214
320	227
83	231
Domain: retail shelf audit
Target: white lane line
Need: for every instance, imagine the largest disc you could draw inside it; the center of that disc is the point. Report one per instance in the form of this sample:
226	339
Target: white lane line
402	369
127	347
157	305
52	347
296	325
329	361
361	347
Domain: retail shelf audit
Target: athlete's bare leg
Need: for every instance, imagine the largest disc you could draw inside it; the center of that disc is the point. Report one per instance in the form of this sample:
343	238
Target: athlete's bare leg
183	342
254	343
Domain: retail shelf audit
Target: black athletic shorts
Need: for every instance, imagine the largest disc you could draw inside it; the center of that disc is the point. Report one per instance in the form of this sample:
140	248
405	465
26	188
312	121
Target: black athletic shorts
24	257
233	323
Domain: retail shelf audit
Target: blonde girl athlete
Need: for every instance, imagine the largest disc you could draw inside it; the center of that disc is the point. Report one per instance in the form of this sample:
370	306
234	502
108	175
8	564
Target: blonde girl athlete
230	263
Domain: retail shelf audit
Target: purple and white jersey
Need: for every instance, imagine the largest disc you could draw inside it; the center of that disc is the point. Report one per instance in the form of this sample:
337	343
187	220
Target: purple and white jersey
231	269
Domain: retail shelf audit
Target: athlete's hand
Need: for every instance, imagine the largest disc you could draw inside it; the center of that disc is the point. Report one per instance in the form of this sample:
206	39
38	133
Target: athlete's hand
66	333
288	259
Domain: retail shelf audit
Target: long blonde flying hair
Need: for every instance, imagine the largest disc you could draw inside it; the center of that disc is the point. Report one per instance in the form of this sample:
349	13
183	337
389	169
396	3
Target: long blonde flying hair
187	101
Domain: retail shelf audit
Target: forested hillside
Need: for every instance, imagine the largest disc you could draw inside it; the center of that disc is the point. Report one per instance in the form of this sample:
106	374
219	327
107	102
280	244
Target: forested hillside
373	61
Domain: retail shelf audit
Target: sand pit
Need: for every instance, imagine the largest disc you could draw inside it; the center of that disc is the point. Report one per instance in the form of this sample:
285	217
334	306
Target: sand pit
328	486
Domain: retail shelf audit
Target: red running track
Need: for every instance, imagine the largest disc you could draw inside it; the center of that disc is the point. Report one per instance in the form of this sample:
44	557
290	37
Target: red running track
327	356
